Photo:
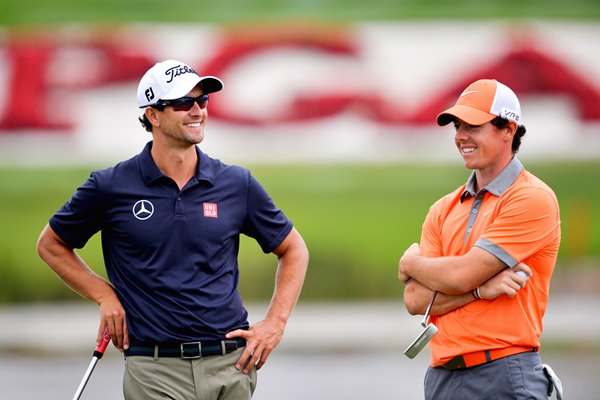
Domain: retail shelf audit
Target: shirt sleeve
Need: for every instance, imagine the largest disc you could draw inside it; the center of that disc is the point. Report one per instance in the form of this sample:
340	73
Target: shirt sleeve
265	222
431	244
527	221
80	217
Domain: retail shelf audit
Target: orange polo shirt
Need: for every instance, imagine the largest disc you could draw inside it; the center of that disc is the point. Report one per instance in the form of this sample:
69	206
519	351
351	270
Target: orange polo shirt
516	218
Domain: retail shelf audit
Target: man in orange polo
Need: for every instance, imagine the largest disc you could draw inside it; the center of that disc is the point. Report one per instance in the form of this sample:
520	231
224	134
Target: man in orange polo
474	241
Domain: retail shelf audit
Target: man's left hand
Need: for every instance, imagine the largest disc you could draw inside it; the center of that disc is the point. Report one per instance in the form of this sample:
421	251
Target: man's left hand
261	339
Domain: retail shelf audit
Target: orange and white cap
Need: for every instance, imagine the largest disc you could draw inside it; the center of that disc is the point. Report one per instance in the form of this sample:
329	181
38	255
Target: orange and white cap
483	101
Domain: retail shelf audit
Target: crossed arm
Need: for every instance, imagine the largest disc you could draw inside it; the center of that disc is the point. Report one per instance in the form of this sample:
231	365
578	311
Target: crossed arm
454	278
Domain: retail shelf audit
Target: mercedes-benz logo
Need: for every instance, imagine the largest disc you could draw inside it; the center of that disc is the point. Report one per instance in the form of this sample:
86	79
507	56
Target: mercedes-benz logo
143	209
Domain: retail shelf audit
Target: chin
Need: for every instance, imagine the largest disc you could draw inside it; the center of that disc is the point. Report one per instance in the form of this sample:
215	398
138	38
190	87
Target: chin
197	139
469	164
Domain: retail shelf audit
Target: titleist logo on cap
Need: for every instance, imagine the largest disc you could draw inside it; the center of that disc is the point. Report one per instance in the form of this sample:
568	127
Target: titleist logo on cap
174	72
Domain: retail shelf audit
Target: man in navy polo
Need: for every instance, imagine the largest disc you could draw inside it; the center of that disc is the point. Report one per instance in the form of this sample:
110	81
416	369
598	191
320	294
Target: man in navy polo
170	219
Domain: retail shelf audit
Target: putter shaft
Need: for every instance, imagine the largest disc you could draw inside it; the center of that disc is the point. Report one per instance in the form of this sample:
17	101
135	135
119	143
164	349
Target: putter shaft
86	378
98	353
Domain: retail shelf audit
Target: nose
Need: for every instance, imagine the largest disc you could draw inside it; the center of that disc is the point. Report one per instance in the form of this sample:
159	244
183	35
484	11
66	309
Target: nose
460	134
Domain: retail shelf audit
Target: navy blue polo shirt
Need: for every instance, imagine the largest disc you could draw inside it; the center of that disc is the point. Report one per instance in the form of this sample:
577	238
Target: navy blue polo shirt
172	254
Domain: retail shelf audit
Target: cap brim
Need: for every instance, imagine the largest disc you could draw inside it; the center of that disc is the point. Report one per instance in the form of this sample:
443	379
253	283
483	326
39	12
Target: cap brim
470	115
211	84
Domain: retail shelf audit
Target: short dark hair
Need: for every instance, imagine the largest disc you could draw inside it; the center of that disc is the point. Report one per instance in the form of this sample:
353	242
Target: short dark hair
145	123
502	123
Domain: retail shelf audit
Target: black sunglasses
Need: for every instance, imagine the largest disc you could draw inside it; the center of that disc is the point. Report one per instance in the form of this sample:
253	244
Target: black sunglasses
183	103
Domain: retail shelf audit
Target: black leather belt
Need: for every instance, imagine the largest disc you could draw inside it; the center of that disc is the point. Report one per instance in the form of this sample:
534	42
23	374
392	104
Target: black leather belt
188	350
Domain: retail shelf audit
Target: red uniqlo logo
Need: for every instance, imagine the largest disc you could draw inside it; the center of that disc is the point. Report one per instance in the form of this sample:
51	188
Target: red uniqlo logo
210	210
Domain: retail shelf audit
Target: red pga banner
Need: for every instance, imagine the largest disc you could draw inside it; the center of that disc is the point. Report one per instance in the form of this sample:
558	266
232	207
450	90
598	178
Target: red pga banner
41	73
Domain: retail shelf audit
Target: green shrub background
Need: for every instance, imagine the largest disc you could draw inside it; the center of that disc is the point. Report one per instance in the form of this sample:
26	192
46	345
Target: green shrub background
356	219
50	12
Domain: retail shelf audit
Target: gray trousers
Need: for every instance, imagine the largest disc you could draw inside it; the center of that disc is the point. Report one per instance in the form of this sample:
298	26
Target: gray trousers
205	378
520	376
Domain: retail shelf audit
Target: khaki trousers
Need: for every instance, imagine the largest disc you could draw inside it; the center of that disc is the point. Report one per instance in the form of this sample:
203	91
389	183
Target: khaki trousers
205	378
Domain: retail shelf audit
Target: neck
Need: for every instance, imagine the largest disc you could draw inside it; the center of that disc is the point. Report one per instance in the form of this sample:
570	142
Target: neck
178	164
486	175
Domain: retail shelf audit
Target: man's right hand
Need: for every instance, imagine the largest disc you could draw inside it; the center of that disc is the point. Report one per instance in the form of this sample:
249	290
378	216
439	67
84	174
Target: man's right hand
506	282
112	316
81	278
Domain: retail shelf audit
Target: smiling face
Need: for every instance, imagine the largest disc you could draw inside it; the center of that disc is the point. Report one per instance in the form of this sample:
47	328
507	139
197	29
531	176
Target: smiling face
181	128
484	148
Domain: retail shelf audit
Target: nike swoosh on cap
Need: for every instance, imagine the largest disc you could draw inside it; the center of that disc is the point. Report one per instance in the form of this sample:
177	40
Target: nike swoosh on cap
466	92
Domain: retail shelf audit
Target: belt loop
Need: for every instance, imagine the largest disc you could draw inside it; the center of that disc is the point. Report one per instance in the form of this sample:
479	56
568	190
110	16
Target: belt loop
223	348
488	356
156	353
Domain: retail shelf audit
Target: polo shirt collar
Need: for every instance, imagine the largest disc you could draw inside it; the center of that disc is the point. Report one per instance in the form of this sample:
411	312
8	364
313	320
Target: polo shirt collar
500	183
151	173
205	171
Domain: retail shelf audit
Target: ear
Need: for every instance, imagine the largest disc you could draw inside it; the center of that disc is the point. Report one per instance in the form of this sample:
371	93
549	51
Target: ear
510	130
152	115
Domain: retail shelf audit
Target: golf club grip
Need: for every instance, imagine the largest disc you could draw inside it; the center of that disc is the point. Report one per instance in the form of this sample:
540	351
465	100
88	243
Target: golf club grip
99	351
523	274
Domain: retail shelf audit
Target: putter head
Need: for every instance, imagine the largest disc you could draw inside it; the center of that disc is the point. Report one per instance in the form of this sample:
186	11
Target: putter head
421	341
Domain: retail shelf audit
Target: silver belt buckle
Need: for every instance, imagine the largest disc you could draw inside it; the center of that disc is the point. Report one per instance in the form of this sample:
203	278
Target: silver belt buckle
197	345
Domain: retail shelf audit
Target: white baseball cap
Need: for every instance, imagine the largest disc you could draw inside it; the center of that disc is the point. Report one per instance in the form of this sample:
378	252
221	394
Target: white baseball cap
481	102
171	79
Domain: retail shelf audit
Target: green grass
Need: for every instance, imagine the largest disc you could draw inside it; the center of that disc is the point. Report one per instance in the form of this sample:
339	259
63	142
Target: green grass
356	219
50	12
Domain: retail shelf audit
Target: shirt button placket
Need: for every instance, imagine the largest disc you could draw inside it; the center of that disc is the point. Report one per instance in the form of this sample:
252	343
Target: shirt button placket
179	205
